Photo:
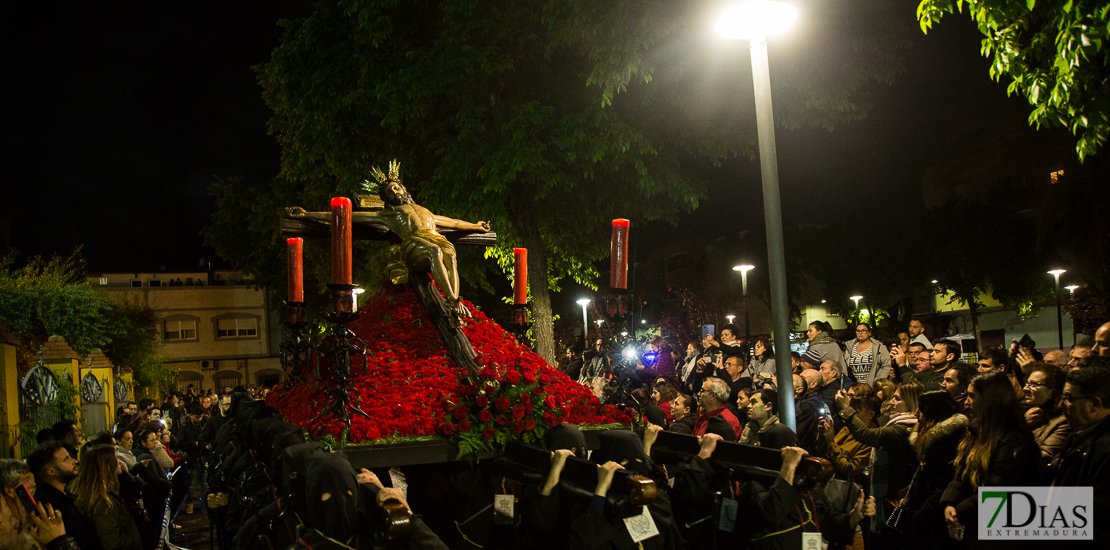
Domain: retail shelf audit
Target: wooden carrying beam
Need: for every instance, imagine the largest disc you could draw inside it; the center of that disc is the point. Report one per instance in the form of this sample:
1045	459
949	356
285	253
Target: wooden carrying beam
530	465
745	461
293	227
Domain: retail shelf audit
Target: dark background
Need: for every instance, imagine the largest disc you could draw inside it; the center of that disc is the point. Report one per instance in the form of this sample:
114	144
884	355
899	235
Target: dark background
118	115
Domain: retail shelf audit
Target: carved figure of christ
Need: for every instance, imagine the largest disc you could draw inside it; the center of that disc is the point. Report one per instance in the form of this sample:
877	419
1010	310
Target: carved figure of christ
423	248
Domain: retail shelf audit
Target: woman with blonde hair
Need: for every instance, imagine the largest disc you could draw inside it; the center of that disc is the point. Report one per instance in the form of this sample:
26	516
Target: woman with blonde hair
97	490
893	459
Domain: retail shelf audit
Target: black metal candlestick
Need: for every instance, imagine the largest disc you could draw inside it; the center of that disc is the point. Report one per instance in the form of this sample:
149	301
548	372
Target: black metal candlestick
618	304
296	350
341	345
520	325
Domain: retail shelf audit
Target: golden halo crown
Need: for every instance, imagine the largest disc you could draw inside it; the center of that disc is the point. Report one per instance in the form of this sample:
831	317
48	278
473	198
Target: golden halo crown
381	178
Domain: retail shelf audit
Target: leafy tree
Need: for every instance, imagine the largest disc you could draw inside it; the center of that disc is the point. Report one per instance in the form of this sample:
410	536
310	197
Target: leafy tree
54	298
1053	52
509	112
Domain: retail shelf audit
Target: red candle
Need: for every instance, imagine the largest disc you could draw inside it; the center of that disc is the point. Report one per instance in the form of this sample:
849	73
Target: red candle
520	276
296	278
618	255
341	240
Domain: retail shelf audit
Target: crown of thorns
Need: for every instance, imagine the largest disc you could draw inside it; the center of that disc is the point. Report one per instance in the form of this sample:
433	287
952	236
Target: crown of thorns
381	178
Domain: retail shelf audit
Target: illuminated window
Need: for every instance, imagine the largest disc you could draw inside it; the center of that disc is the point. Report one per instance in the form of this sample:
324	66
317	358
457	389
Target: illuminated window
179	330
236	328
1056	177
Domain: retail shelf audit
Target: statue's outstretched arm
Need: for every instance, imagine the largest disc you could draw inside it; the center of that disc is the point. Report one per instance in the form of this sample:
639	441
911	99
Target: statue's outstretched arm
300	213
452	223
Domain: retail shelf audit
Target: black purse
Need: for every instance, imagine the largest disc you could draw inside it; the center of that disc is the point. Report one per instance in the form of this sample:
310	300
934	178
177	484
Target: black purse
899	519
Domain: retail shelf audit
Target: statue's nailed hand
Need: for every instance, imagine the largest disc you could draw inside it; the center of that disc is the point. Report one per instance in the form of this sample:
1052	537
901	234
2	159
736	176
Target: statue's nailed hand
484	226
295	212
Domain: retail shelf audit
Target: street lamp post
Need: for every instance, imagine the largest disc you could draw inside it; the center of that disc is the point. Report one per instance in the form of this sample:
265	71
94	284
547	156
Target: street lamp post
1059	314
856	299
744	269
730	318
1071	295
585	321
754	21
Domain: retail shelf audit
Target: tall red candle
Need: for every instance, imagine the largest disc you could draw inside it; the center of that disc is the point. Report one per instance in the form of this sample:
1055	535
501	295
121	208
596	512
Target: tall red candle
296	277
520	276
618	255
341	240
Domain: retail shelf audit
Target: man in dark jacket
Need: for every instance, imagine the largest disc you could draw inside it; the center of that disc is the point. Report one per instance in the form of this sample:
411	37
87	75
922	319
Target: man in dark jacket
53	468
1085	460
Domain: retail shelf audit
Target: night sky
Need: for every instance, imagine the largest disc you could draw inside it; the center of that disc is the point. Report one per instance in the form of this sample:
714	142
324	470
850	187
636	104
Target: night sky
119	115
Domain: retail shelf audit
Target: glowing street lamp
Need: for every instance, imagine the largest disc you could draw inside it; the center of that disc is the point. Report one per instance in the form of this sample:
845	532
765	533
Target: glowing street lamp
856	299
1059	314
1071	288
730	318
754	21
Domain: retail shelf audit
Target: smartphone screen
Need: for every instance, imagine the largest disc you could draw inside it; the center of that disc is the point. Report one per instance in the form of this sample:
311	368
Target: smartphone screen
26	498
706	330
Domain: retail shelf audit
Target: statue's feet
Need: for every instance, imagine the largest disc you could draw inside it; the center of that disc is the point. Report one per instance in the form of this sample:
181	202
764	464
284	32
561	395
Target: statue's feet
458	312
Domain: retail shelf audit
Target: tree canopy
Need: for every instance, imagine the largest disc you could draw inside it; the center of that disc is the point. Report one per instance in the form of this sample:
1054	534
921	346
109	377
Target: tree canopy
1053	52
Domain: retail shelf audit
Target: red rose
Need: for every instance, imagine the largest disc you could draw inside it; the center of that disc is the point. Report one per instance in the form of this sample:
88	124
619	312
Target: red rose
528	408
489	390
529	423
485	415
446	428
483	401
502	403
488	433
512	376
518	427
501	420
549	418
464	426
460	412
529	377
545	378
549	401
518	412
464	372
480	359
524	397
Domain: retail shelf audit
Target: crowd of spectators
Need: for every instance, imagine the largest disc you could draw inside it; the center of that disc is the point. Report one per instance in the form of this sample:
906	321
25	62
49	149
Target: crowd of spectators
911	422
909	443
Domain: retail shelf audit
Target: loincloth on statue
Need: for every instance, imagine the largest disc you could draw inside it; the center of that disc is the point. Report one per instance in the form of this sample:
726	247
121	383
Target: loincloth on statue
400	256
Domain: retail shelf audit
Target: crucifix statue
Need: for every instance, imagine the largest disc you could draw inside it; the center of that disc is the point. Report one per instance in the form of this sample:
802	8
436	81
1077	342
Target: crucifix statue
423	249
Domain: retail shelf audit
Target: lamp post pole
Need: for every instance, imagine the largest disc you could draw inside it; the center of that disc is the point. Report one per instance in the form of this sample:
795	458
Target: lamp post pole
744	269
1059	314
856	299
1071	295
585	321
772	212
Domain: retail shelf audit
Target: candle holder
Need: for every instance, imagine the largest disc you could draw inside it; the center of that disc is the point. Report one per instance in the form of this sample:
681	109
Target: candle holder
297	349
520	325
618	304
341	344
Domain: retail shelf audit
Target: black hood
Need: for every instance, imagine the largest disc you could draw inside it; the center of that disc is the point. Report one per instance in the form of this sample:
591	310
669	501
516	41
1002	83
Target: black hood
622	447
332	496
565	436
294	473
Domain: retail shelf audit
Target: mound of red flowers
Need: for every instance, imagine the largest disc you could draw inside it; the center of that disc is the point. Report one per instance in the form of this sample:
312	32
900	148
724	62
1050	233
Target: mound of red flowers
410	385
